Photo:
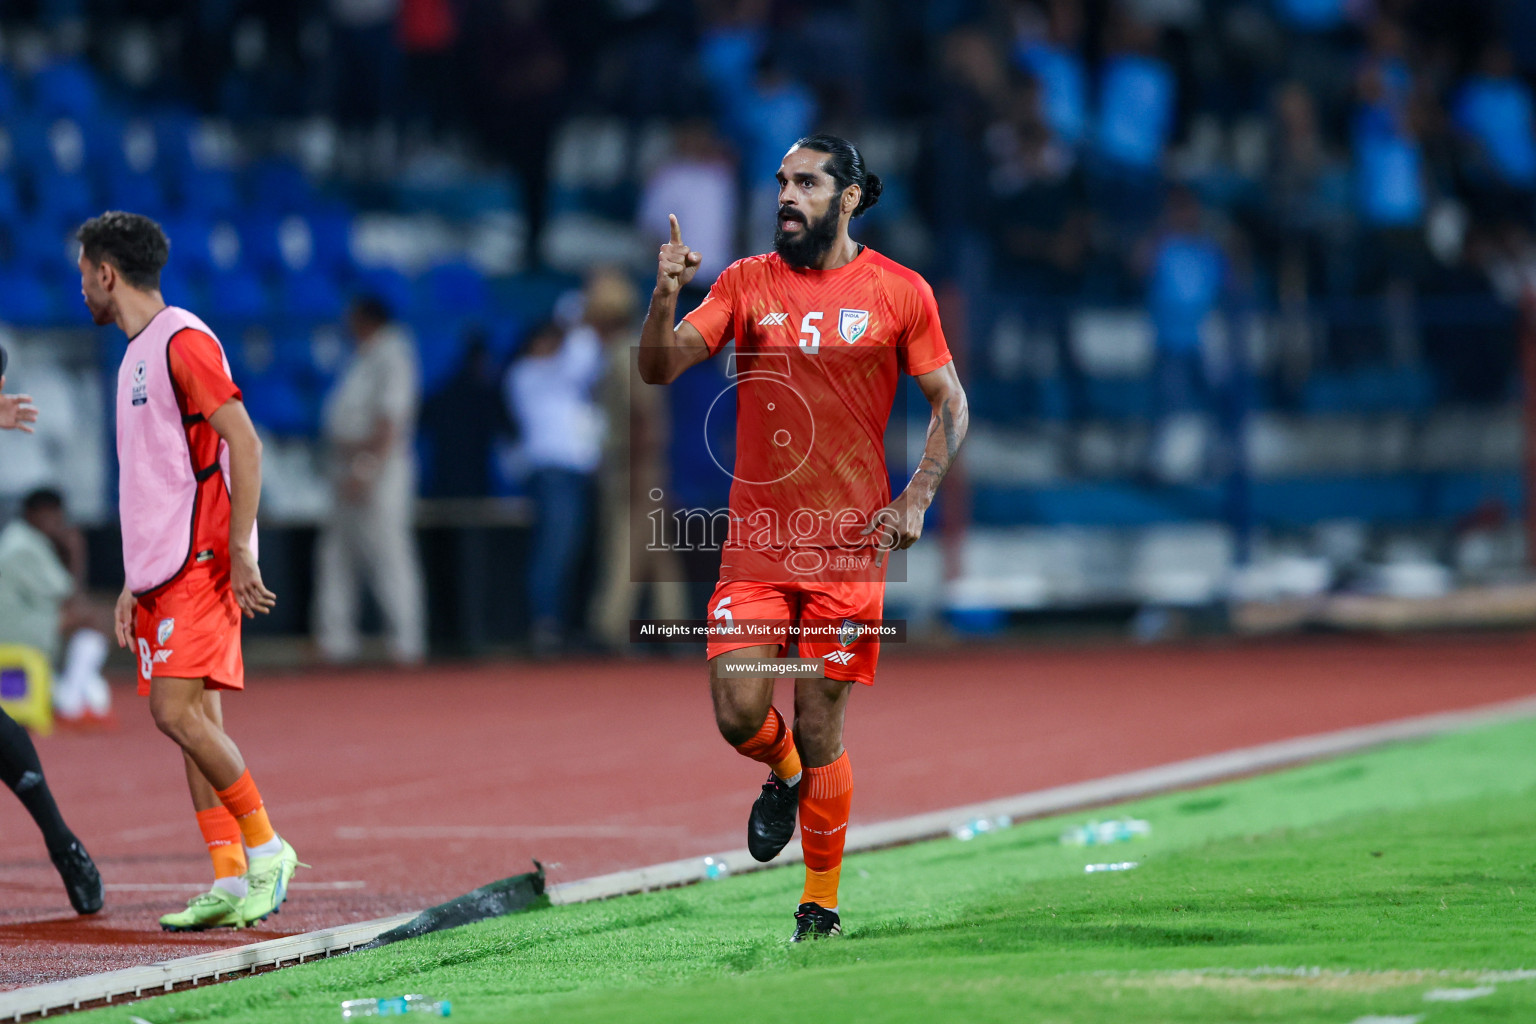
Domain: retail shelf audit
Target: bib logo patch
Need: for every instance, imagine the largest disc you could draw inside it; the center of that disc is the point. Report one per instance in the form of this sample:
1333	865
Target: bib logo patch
167	627
140	389
852	323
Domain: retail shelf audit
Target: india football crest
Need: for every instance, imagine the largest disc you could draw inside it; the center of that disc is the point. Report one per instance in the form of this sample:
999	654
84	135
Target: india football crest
852	323
167	627
847	633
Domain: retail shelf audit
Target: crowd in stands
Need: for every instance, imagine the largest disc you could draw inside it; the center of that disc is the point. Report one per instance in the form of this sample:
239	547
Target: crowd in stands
1352	164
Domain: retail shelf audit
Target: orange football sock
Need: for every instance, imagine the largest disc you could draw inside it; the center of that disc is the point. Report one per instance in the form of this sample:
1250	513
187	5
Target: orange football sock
774	745
826	796
222	834
244	802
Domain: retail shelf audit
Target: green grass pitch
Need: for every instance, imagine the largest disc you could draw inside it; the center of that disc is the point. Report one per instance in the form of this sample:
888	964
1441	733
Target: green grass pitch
1347	889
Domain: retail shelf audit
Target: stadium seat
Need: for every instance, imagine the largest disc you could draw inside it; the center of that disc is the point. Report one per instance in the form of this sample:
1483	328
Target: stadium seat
141	193
63	198
455	288
210	192
390	285
237	294
10	201
189	234
42	245
66	88
280	187
312	294
26	299
439	350
261	248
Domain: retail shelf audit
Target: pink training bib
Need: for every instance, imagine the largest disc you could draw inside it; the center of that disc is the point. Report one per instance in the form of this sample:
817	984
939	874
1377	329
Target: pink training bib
157	482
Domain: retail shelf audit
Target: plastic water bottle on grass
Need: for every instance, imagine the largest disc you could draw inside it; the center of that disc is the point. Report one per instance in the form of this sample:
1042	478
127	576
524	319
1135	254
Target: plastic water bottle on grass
399	1006
1102	833
715	868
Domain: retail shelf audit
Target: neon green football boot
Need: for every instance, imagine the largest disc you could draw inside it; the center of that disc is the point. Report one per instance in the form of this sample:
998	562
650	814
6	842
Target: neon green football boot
216	908
268	878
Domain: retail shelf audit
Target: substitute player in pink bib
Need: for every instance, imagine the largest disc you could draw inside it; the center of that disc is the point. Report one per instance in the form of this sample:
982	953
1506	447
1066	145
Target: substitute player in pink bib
189	472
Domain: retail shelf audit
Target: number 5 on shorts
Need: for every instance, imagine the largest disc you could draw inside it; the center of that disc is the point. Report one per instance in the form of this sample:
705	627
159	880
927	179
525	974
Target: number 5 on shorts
722	612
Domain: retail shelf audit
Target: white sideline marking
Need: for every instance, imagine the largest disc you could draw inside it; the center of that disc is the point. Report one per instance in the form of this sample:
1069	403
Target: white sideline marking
1458	995
513	832
203	886
134	981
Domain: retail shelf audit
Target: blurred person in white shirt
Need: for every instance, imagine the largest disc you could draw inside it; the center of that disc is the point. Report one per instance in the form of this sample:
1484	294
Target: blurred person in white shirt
43	604
698	184
369	429
549	390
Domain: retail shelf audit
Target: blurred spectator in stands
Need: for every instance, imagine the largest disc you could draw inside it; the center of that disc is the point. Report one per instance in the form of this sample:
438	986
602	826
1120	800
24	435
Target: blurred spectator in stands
971	84
369	427
1390	182
43	604
428	31
365	60
549	390
1469	337
1494	113
521	82
1048	43
698	183
1137	93
1036	212
1308	198
633	479
463	421
777	110
1187	274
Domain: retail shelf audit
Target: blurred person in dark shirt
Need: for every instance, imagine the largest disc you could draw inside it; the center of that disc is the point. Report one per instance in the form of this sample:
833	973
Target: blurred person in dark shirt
464	420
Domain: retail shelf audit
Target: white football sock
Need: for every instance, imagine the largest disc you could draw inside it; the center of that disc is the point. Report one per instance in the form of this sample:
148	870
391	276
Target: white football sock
234	885
271	848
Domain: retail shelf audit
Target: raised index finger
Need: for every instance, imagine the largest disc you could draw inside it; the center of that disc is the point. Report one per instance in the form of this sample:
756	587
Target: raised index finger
677	231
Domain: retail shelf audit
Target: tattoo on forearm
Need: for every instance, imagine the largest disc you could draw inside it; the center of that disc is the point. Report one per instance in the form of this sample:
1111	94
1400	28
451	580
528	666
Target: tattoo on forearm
937	465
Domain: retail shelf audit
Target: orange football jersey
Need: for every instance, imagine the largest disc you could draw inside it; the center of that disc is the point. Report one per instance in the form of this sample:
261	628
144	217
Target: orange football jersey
819	354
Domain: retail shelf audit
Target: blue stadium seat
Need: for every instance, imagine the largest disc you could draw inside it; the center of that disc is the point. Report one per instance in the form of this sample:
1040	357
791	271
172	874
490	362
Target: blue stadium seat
391	286
455	288
330	229
43	245
29	144
312	294
237	294
64	198
260	248
210	192
276	403
67	88
189	243
279	187
179	287
140	193
27	299
10	201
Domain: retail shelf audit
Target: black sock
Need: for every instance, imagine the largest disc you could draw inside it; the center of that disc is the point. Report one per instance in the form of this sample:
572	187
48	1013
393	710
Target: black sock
23	773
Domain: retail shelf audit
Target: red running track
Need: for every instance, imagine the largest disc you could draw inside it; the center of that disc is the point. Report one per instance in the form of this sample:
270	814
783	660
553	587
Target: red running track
407	789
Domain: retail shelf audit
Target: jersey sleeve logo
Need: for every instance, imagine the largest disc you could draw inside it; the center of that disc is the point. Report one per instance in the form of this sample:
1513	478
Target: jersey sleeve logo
852	323
774	320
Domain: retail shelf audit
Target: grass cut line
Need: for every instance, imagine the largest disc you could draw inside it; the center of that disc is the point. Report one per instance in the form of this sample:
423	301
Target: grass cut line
1339	891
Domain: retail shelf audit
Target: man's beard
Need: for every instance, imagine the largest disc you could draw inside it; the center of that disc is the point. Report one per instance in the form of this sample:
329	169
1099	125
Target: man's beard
805	247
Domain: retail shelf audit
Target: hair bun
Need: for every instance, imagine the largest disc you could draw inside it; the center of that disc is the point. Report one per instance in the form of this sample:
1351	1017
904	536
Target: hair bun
871	192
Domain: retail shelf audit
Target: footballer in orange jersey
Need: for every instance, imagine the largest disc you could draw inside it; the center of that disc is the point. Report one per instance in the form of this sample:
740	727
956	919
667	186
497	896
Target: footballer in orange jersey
824	328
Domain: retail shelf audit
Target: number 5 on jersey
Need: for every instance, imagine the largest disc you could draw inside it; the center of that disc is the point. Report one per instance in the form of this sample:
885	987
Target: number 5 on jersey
809	329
